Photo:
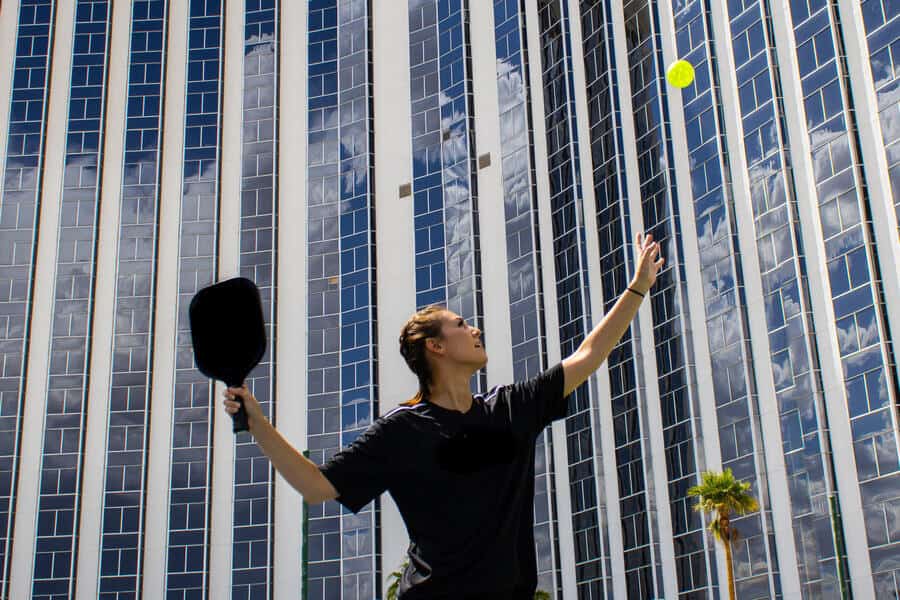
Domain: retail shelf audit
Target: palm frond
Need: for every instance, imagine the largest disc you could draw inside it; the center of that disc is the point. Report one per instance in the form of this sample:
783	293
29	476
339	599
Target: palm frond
720	496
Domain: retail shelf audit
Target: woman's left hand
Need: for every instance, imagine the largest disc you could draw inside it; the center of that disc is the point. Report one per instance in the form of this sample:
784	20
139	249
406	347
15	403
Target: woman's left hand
648	265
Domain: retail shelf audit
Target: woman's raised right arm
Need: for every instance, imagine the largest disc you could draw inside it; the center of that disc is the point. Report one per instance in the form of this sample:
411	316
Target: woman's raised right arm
297	470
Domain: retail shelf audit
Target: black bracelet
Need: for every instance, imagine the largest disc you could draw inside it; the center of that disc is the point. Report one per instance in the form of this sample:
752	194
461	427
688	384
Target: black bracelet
636	292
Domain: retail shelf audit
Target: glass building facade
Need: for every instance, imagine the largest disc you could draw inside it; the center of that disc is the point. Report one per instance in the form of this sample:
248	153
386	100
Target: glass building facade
26	127
62	458
344	561
640	543
572	292
252	526
190	472
126	457
155	147
448	266
523	258
803	421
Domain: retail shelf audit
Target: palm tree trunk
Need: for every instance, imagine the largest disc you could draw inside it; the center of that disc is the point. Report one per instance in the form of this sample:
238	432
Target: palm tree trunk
729	567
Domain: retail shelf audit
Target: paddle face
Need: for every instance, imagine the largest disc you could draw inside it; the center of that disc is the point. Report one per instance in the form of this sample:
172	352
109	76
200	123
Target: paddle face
228	333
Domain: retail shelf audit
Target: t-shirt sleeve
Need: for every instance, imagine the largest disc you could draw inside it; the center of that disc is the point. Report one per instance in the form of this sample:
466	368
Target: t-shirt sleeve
362	470
537	402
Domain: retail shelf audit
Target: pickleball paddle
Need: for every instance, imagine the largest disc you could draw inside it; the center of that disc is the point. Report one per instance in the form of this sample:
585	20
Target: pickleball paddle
229	334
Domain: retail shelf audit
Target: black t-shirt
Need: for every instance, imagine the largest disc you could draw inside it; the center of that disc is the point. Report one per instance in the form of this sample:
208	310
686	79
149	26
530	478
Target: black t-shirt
464	485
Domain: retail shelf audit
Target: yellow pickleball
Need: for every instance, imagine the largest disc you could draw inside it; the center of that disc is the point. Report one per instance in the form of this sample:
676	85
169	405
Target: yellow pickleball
680	74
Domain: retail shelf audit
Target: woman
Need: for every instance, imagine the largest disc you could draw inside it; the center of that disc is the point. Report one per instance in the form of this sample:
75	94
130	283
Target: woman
460	467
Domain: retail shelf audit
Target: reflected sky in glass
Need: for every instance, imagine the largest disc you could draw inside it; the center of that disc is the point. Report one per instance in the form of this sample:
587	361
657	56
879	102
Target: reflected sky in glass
190	472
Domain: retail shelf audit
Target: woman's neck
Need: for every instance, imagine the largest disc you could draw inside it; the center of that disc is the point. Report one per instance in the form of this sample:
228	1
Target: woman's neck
452	395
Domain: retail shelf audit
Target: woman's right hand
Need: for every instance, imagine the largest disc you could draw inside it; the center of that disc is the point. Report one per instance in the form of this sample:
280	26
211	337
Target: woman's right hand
255	414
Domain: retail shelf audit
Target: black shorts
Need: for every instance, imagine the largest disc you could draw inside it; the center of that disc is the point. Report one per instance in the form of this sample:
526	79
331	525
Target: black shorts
505	594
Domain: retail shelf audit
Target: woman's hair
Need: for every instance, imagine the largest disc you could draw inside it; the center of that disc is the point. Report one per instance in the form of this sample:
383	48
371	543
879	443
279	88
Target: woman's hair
425	324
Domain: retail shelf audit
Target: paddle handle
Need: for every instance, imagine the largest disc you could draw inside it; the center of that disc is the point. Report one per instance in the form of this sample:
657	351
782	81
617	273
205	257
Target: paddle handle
239	419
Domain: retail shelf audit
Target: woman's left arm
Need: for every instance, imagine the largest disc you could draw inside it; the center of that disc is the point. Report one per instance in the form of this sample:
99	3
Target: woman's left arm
599	343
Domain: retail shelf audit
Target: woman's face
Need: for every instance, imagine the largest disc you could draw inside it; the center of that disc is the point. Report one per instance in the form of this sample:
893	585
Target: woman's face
461	342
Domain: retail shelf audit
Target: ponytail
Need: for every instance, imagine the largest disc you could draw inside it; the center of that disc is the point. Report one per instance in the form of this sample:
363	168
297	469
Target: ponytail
417	399
425	324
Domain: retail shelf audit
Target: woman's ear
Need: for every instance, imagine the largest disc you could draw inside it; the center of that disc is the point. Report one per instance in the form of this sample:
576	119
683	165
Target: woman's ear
432	344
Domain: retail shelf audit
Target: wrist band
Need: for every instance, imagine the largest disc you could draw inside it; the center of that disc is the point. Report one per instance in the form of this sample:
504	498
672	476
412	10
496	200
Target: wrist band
635	291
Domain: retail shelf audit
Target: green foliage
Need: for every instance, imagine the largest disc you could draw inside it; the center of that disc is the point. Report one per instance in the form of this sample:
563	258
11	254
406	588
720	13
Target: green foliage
391	593
720	495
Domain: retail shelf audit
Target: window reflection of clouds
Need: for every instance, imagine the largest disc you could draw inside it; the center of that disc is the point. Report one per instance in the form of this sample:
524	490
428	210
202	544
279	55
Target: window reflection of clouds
455	152
442	164
850	270
510	86
257	258
339	210
518	194
775	247
782	370
883	27
199	171
847	335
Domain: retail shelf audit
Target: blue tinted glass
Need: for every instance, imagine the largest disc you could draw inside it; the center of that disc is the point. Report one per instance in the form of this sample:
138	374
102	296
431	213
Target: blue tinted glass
520	216
447	270
20	191
571	285
190	475
257	263
121	538
342	397
67	381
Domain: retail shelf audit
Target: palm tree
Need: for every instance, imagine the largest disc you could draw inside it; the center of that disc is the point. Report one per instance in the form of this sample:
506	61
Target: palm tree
721	495
391	593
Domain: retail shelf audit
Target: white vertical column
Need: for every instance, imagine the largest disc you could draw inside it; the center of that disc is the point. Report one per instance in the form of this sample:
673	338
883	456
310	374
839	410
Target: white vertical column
290	385
822	308
221	512
874	159
779	493
394	237
607	482
9	21
93	479
651	422
37	366
491	212
551	314
163	383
